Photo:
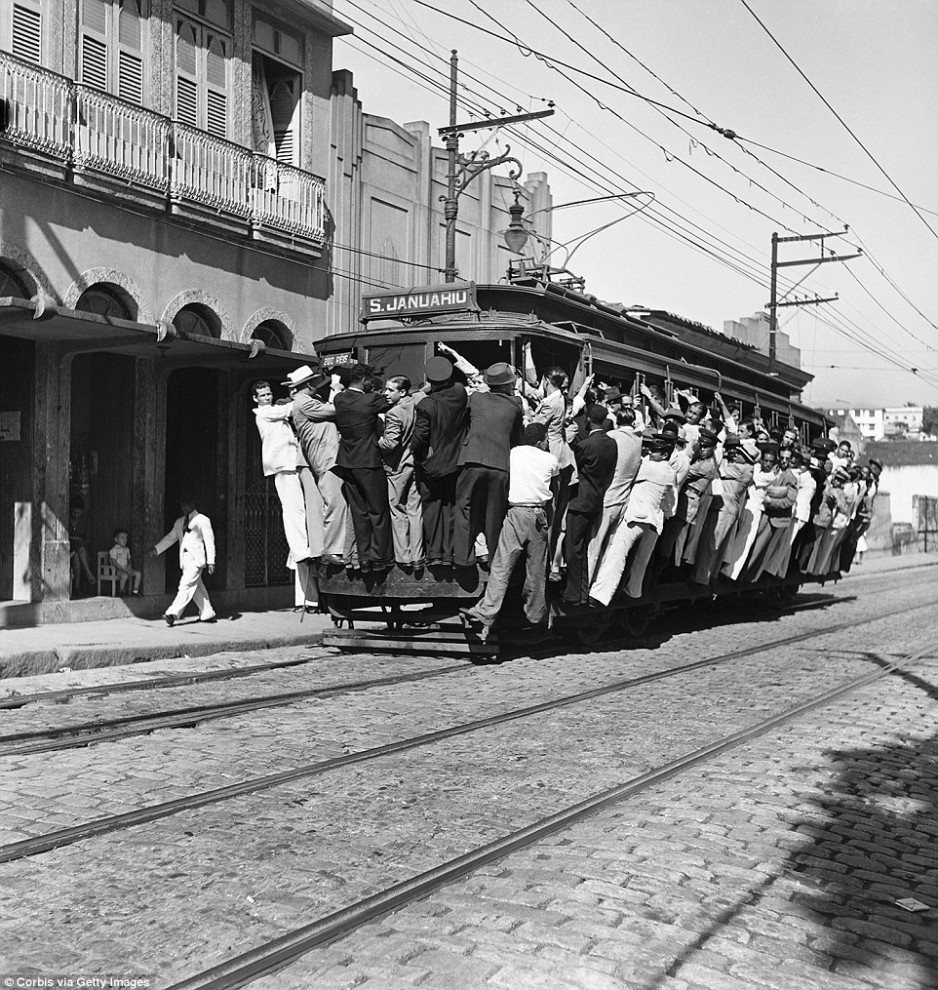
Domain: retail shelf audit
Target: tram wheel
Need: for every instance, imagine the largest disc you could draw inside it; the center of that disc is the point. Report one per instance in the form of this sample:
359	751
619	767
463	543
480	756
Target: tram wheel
634	622
589	634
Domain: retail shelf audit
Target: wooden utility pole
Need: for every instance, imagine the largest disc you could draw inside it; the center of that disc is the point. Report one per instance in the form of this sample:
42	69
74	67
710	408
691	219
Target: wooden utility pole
774	303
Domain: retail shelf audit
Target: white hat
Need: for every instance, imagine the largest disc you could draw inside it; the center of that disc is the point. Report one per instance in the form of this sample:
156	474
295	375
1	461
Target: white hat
299	376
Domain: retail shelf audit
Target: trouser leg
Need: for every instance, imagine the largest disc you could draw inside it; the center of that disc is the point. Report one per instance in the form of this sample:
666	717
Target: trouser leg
373	482
190	587
470	486
293	508
608	523
398	485
574	549
510	546
535	576
438	497
336	524
314	511
638	561
613	561
411	501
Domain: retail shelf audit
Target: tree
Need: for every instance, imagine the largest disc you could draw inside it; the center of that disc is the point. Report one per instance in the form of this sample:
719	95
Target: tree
930	420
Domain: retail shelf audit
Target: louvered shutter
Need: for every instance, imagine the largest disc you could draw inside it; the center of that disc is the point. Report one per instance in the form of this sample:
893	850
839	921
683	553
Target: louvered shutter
187	67
216	73
26	42
130	52
282	108
94	42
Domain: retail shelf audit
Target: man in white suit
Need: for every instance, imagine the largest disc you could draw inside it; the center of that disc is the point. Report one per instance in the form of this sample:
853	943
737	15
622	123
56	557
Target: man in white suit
193	532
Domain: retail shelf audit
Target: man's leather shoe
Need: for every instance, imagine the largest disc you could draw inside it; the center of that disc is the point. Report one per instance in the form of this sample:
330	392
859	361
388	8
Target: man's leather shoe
214	618
170	619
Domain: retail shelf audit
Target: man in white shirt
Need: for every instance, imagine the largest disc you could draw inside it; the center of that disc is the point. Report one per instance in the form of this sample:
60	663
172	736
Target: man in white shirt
532	477
193	532
641	524
279	454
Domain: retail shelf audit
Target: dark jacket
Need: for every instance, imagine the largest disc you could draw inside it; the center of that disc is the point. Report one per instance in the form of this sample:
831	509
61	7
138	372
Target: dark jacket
439	430
495	421
595	464
356	417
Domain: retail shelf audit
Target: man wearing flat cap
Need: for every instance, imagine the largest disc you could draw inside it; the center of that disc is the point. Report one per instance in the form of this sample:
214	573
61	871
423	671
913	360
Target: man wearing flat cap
495	419
439	430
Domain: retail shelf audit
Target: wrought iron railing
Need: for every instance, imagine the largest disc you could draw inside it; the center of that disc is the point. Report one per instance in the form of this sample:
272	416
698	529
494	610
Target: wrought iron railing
100	133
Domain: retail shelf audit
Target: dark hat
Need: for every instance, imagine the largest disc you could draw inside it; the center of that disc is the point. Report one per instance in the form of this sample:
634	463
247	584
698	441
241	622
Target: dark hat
499	373
611	394
824	444
439	369
675	413
873	462
673	431
732	442
707	437
768	446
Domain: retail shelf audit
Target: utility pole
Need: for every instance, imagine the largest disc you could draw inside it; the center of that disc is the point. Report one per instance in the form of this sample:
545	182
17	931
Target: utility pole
774	303
462	169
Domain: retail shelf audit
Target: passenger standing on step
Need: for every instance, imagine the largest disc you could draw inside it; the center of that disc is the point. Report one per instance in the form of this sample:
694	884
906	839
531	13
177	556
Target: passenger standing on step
439	430
193	532
403	497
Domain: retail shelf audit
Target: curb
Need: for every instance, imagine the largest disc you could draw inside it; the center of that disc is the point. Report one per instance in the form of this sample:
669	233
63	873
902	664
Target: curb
48	661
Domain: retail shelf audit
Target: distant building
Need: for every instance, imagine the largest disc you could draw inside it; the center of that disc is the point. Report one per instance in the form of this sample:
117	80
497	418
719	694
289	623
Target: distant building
754	330
890	423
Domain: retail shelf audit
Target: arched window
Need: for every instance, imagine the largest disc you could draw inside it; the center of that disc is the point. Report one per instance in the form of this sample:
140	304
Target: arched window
12	283
107	300
197	319
274	334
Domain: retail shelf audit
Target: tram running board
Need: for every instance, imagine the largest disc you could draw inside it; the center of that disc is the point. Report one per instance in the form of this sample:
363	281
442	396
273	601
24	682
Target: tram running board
427	641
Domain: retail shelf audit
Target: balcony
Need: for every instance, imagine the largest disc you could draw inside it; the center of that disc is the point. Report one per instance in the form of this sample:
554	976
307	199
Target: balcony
118	148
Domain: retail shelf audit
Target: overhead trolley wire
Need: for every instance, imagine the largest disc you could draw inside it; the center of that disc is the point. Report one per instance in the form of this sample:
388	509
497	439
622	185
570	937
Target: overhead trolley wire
843	123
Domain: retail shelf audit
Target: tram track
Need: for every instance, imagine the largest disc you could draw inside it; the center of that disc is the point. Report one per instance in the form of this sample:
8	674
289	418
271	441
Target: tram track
275	954
110	730
114	823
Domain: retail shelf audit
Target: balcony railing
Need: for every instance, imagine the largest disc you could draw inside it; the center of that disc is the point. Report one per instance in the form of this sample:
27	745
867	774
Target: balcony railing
96	132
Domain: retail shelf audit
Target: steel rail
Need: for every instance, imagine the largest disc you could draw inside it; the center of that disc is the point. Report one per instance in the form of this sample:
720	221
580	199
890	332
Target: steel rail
274	955
88	733
156	683
114	823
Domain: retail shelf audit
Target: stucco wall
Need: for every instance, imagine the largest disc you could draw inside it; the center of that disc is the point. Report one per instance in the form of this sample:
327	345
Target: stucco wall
903	482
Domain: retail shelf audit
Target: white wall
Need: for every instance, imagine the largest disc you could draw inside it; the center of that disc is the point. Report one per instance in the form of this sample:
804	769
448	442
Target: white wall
904	482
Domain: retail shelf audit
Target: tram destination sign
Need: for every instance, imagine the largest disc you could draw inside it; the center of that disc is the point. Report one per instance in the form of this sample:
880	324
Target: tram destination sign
452	297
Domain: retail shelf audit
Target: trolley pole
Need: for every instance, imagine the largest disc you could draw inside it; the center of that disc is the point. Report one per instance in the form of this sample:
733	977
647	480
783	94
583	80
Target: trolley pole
462	169
775	303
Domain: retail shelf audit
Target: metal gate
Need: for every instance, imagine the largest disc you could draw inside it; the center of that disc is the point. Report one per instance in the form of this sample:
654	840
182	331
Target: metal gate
265	544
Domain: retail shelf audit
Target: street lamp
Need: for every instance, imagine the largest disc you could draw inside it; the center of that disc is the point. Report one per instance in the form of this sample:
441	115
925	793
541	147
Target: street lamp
517	234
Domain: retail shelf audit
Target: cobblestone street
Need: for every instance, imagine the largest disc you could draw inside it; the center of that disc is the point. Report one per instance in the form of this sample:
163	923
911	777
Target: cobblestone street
777	863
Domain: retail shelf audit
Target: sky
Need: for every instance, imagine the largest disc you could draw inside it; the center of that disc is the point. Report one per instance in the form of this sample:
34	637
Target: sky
702	247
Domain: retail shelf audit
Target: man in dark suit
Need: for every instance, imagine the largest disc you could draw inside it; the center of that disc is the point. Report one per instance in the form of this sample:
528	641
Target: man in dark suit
439	430
595	464
360	467
495	421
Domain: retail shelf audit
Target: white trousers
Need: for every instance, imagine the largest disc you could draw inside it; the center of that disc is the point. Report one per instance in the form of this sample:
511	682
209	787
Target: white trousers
608	524
293	507
626	536
191	589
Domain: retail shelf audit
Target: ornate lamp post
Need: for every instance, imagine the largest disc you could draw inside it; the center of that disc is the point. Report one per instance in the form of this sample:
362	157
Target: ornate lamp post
462	169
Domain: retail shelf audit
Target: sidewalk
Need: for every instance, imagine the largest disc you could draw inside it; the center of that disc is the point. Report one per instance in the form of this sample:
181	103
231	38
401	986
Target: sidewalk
49	647
79	645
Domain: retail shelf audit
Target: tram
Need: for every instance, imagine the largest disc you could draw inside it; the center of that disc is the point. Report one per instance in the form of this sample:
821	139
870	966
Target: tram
549	324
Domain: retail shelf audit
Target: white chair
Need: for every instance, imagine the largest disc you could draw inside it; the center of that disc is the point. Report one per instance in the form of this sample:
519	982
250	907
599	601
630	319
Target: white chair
107	572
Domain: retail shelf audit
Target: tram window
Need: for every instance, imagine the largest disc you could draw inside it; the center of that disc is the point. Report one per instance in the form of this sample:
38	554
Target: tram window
399	359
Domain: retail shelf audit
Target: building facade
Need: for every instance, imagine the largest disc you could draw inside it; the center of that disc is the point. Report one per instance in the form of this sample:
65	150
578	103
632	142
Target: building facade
191	196
754	330
888	423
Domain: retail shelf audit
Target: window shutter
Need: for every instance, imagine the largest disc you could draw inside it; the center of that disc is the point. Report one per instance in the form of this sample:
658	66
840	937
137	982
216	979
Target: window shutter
94	43
187	86
282	107
216	71
27	33
130	54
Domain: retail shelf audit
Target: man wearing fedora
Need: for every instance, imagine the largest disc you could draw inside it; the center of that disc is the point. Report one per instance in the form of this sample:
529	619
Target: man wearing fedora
495	420
280	453
439	430
360	467
314	420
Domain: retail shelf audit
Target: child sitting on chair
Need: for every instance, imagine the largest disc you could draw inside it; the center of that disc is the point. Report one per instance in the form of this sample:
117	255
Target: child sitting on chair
119	555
